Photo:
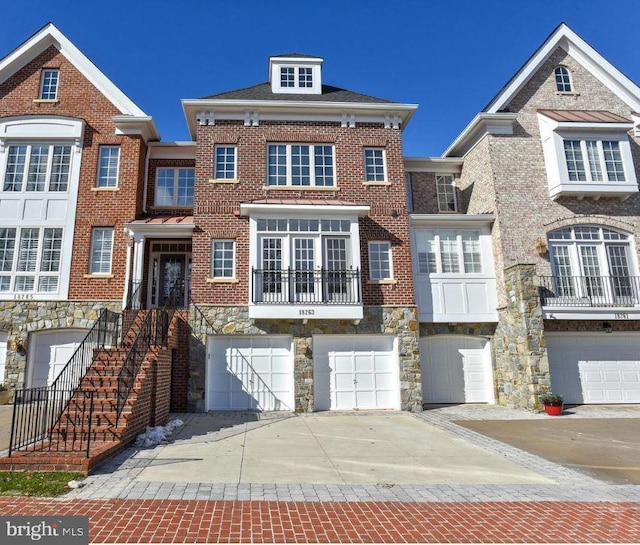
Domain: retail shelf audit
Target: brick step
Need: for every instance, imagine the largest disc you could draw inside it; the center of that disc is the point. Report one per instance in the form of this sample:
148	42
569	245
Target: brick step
102	393
91	382
100	405
82	434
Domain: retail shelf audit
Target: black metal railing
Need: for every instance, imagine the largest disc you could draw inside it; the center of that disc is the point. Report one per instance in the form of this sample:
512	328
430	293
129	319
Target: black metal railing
590	291
154	331
134	295
34	407
52	419
306	287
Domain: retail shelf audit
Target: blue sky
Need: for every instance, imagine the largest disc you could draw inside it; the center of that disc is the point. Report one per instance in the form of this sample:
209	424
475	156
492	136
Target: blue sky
451	58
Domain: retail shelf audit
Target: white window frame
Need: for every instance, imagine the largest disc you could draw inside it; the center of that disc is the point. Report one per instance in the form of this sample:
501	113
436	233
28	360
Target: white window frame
234	174
312	166
553	135
48	167
565	79
375	179
108	181
96	266
424	262
224	269
376	268
45	88
297	73
591	162
176	187
446	193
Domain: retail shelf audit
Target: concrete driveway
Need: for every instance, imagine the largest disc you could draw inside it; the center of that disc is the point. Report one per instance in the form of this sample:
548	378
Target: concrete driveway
325	448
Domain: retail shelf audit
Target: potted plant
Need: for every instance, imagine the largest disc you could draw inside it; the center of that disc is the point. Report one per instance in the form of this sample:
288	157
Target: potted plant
553	403
5	394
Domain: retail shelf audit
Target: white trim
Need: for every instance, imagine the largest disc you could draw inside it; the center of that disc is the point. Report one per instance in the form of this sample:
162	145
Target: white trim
249	209
173	230
481	124
172	150
440	165
462	219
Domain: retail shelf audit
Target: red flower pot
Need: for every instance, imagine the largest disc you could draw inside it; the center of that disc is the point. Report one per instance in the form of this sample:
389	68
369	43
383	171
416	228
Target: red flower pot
553	408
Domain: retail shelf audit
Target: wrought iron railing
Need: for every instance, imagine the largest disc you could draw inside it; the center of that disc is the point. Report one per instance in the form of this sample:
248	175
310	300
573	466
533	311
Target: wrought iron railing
34	407
306	287
134	295
590	291
154	331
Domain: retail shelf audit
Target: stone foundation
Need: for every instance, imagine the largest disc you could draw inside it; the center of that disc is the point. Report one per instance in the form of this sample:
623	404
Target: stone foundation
215	320
20	319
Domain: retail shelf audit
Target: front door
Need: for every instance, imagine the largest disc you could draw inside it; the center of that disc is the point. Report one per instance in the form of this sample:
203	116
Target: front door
172	280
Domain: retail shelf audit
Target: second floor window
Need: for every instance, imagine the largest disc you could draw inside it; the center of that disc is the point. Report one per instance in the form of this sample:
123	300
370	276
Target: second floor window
300	165
380	261
594	161
37	167
225	163
222	259
448	251
446	194
175	186
375	165
49	84
101	250
108	165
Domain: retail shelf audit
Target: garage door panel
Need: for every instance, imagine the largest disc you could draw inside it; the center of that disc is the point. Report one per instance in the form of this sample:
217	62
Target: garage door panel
362	372
50	352
250	373
595	368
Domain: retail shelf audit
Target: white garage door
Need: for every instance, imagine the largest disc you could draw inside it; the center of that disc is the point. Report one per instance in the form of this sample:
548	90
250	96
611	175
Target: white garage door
50	352
595	368
3	355
456	369
355	372
250	373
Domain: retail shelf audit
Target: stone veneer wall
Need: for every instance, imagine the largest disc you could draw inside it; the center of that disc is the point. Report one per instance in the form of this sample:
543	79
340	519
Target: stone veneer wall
520	356
21	318
216	320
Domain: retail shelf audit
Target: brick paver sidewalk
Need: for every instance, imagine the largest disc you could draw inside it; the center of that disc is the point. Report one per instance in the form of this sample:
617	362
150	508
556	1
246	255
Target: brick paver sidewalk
181	521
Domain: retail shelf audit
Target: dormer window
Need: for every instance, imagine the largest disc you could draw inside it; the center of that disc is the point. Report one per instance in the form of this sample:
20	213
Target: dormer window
295	73
563	80
49	84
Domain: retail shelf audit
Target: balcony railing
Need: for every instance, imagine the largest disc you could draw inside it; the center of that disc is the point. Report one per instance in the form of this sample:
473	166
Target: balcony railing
306	287
590	291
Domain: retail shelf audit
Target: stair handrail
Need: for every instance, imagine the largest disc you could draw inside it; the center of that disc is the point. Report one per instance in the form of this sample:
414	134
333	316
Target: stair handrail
154	331
36	411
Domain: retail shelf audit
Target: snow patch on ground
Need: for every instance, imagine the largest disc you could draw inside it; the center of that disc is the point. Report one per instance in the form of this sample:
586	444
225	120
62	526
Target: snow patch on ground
154	436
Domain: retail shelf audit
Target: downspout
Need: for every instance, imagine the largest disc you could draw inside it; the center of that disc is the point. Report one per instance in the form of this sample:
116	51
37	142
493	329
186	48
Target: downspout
146	178
127	271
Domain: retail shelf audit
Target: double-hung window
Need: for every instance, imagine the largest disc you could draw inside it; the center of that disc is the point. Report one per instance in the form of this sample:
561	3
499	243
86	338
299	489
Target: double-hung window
49	84
225	163
174	187
30	259
380	264
594	161
222	262
37	167
375	166
448	251
446	191
101	250
108	165
300	165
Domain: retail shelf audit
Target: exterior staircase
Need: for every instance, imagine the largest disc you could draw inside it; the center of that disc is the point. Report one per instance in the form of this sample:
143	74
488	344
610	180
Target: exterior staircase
125	389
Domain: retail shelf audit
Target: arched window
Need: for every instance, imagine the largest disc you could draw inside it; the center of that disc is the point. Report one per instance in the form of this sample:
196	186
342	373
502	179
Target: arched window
594	262
563	80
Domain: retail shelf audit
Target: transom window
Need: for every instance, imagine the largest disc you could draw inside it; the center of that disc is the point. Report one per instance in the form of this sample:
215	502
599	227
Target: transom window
37	167
448	251
30	259
300	165
174	186
101	250
225	163
563	80
222	259
380	267
49	84
375	165
108	164
592	261
594	161
446	194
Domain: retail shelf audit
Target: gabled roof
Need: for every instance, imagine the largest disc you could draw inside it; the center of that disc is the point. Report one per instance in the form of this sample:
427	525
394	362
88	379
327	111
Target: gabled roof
48	36
263	91
582	52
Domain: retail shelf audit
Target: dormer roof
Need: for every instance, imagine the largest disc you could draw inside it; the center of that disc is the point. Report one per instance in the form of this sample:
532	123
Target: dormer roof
133	118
